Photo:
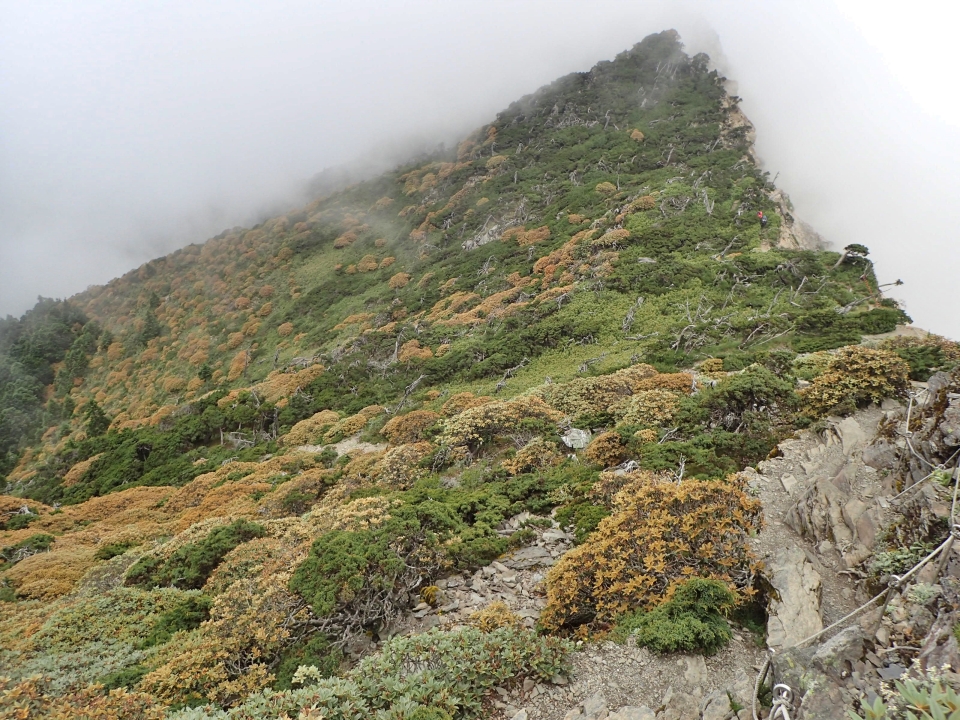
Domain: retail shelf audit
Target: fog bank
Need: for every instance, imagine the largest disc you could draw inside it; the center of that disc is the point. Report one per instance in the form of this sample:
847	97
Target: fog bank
128	130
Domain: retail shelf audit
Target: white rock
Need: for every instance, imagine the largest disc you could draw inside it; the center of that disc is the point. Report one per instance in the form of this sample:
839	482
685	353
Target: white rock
576	439
696	672
633	713
789	482
851	435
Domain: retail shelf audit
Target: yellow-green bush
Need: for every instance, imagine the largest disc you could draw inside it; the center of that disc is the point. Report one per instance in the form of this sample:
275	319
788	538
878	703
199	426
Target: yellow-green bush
353	424
647	407
856	375
310	430
535	455
400	465
480	425
494	616
595	394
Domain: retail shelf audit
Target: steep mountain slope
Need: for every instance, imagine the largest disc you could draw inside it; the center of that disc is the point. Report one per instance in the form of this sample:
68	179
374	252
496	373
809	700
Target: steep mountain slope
244	456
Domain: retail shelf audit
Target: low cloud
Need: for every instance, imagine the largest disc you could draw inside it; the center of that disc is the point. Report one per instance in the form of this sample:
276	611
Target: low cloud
129	130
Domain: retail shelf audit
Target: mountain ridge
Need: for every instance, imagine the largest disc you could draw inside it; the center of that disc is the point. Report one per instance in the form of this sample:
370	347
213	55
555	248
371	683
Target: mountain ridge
268	446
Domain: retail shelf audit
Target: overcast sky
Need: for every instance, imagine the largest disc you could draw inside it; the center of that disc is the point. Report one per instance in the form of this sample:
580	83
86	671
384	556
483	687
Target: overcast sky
128	129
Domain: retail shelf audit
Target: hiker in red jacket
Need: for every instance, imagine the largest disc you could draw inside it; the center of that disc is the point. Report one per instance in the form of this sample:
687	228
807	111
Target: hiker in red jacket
763	218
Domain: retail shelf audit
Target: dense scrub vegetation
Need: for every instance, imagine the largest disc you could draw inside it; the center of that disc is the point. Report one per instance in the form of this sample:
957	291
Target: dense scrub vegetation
224	466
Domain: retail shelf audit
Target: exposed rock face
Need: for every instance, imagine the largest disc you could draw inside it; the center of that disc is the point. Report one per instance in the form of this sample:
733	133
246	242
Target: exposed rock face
795	615
794	233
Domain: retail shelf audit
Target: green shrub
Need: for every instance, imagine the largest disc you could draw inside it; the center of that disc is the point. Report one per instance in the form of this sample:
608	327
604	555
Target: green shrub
923	361
880	320
111	550
125	678
584	517
12	554
18	521
369	571
691	621
187	614
315	651
431	676
190	566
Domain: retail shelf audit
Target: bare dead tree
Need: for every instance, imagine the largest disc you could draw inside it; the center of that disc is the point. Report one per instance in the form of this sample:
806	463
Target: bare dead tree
406	394
585	365
508	374
627	322
641	337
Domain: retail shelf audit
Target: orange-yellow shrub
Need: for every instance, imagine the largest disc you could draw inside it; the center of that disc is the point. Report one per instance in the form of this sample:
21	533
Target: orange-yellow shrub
387	262
606	188
229	656
285	329
409	428
463	401
400	280
47	575
237	366
367	263
411	351
678	382
611	238
75	473
636	135
660	534
644	202
346	239
174	384
606	450
34	698
353	320
526	237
